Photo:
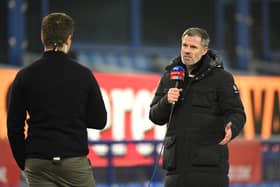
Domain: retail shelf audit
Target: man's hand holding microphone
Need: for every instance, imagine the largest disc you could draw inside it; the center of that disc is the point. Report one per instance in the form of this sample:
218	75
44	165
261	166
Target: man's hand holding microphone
173	95
177	74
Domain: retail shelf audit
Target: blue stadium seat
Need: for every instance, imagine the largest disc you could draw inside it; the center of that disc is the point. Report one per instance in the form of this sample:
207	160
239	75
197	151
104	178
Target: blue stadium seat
126	63
142	63
84	59
97	60
112	62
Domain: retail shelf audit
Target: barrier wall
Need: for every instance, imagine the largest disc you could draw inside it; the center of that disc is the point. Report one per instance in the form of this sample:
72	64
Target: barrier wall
245	161
127	98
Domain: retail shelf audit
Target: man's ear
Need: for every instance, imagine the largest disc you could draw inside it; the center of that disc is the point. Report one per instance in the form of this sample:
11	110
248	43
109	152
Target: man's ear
205	50
42	38
69	40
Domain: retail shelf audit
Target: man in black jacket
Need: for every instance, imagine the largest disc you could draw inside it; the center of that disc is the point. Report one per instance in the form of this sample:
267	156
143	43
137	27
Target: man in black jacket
62	99
206	115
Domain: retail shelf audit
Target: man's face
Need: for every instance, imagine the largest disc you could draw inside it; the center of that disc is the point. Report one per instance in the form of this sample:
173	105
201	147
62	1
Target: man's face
192	50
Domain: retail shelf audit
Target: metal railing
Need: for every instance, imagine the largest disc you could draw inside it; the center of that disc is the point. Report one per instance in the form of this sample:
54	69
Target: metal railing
110	156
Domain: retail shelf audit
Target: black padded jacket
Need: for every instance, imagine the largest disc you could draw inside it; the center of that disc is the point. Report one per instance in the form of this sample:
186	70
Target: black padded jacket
209	100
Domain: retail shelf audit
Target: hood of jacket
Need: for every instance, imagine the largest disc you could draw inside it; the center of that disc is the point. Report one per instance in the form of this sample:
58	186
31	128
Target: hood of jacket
205	65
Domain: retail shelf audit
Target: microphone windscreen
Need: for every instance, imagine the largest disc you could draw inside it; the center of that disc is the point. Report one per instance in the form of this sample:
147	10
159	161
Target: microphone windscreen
177	73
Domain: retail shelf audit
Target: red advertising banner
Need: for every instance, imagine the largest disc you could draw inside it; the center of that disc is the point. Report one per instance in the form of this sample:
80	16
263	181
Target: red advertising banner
245	161
127	98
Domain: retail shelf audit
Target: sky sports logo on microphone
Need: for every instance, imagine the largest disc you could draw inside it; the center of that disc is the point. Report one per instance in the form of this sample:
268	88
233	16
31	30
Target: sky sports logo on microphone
177	73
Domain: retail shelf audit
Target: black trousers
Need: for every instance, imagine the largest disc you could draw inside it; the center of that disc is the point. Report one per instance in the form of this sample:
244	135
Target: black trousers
197	180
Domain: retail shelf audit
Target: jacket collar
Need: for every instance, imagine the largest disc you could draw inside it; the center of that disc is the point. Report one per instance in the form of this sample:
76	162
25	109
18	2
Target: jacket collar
206	64
52	53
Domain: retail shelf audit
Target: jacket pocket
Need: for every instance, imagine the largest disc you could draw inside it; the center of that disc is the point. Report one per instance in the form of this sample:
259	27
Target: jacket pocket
206	155
169	160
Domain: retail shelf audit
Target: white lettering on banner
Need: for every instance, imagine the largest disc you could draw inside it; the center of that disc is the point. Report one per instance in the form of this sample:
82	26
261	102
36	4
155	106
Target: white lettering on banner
240	172
3	175
118	103
122	101
140	122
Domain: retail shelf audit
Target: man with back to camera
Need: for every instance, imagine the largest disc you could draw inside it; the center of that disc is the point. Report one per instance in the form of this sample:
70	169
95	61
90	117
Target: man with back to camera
62	99
207	114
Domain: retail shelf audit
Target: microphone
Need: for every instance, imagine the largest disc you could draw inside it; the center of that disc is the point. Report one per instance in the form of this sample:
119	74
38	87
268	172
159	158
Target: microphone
177	74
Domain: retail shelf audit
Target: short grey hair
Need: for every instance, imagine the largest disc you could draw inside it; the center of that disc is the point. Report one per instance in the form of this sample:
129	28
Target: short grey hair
195	31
